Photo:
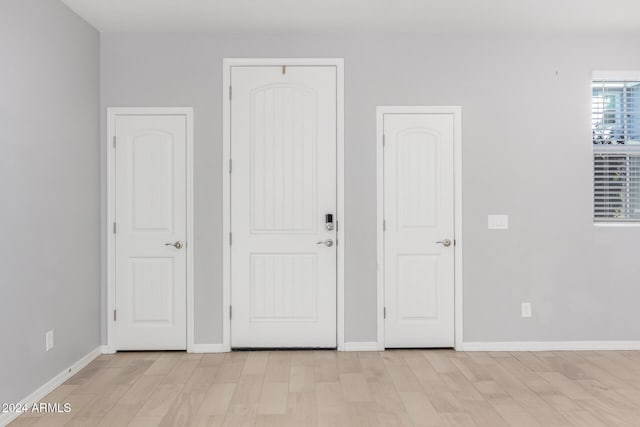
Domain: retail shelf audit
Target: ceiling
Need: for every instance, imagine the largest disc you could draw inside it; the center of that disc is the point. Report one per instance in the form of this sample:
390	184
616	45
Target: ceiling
431	16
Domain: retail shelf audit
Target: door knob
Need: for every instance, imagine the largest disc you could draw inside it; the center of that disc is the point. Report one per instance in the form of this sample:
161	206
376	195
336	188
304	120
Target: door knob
445	242
328	243
177	245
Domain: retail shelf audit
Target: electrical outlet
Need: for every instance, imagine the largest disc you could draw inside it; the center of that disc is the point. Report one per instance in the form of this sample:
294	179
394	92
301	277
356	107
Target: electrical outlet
526	309
49	341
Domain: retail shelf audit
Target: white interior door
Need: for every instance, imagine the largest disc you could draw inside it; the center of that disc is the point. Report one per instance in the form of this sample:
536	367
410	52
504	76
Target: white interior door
283	183
419	213
150	212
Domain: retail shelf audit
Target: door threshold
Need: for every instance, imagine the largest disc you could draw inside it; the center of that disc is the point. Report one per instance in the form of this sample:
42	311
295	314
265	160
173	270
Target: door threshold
420	348
284	348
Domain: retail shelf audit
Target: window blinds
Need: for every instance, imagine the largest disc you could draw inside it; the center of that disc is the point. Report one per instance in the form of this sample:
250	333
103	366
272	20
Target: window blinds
615	114
616	182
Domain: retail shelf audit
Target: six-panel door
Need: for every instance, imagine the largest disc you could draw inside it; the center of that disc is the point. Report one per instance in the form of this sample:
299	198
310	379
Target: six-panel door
150	261
418	241
283	183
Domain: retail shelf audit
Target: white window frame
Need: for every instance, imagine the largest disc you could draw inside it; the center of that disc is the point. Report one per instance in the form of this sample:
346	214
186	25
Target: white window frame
609	75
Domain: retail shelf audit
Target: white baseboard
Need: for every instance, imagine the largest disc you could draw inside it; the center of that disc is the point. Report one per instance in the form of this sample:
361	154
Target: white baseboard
51	385
105	349
551	345
210	348
362	346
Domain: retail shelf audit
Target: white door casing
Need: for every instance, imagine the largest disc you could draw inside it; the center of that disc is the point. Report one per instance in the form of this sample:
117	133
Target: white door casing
283	183
418	212
150	265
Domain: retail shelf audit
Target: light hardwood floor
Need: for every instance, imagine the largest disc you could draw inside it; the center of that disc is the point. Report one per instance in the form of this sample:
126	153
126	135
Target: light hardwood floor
327	388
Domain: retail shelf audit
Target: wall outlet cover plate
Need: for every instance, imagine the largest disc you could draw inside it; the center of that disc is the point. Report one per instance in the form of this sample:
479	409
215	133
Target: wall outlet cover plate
49	341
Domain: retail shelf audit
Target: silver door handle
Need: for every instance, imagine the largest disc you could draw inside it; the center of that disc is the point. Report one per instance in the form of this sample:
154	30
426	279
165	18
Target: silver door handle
177	245
328	243
445	242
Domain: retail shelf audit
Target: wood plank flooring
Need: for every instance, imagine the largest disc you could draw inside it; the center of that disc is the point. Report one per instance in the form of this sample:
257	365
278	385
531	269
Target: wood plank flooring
327	388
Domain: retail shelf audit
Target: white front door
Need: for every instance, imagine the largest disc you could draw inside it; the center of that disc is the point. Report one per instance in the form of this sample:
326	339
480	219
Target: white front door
283	184
150	232
419	222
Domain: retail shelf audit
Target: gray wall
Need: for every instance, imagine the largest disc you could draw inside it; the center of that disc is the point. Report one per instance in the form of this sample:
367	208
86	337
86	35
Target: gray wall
50	192
526	153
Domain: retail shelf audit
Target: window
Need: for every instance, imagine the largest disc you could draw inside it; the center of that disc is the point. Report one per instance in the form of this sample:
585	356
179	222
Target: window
615	125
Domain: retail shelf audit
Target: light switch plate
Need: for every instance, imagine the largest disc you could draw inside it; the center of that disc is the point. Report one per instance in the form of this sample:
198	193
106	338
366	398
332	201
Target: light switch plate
498	222
526	309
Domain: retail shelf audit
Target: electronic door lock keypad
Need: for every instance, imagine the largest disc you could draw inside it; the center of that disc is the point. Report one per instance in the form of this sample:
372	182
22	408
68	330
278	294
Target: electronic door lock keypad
328	220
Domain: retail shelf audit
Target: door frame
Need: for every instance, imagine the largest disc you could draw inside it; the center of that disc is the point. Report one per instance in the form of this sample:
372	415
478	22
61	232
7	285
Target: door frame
112	113
458	241
227	64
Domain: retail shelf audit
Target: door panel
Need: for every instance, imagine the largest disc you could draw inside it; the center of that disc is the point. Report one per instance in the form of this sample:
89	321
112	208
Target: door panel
283	148
152	288
417	179
152	158
150	212
283	156
284	287
419	211
417	296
